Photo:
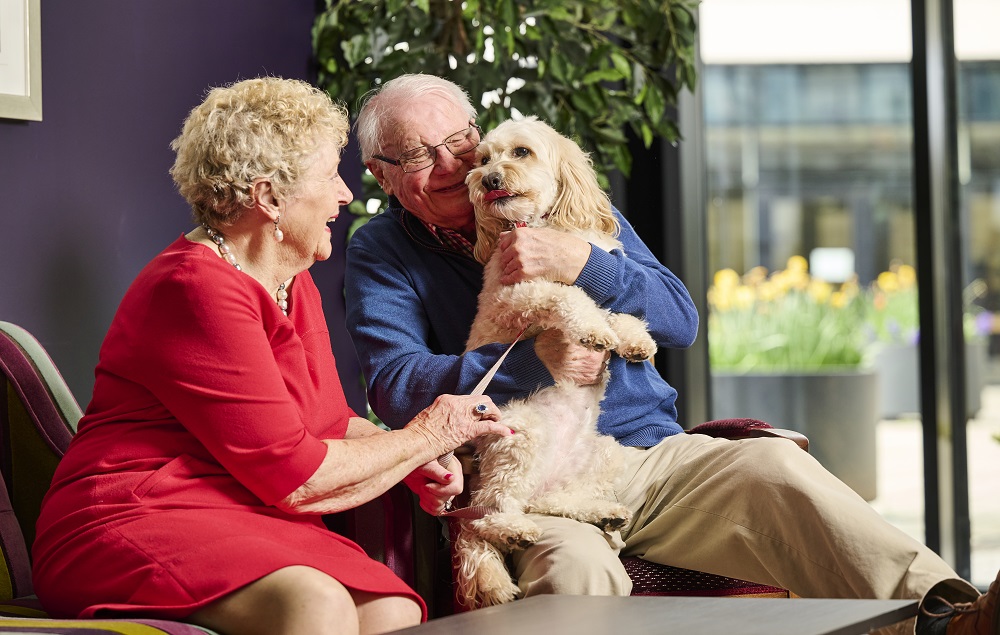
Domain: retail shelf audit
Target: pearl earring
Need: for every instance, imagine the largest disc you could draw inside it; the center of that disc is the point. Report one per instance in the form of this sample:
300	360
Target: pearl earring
278	234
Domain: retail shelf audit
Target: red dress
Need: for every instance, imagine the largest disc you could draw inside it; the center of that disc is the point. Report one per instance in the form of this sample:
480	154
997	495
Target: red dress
209	407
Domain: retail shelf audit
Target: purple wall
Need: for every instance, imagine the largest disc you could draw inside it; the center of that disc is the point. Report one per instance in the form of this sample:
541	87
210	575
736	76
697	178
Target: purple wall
87	199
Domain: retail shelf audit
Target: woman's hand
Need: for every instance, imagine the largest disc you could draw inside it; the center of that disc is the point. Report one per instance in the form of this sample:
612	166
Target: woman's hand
454	419
435	485
527	253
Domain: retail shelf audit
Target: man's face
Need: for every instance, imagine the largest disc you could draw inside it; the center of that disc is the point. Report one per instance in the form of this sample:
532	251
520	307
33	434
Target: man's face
437	194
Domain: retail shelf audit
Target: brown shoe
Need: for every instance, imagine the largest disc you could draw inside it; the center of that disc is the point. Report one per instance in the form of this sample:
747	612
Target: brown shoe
948	609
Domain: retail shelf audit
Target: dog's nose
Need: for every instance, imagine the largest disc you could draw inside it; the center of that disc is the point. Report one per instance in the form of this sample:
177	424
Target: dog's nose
492	181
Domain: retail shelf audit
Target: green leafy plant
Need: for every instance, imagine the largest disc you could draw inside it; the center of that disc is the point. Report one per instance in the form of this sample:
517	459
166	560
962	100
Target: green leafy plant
592	69
785	321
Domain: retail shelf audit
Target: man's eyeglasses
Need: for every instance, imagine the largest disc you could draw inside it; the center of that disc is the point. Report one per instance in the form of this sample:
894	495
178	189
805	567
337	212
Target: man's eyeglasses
423	157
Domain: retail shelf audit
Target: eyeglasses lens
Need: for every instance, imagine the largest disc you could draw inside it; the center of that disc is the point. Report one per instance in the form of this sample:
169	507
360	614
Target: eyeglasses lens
423	157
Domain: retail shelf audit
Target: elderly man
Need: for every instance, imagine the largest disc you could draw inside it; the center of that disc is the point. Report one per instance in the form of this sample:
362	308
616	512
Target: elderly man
759	510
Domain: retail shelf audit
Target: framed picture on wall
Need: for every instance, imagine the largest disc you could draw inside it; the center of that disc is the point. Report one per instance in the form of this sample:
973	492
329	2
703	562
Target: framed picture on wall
20	59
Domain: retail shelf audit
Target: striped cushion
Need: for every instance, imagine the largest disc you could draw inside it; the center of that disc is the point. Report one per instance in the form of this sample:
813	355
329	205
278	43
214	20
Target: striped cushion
98	627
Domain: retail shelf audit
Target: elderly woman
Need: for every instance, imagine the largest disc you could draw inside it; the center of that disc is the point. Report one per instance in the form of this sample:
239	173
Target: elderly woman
218	431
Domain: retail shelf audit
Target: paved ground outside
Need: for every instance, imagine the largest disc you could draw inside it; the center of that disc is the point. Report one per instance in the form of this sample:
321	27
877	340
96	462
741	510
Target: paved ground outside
900	482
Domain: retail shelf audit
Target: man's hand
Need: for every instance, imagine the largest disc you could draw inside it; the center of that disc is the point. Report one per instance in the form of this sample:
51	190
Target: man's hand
569	361
527	253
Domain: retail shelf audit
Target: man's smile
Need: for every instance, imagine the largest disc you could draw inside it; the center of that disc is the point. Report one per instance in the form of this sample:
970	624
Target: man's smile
452	188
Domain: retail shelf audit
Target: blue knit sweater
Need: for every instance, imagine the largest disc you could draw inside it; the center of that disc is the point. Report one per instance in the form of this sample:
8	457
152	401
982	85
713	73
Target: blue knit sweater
410	303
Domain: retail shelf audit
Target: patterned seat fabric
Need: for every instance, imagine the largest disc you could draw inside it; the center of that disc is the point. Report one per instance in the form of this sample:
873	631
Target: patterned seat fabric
38	417
650	578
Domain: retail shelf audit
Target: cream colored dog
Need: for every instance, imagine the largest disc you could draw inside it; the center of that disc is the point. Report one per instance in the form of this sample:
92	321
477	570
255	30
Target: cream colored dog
556	463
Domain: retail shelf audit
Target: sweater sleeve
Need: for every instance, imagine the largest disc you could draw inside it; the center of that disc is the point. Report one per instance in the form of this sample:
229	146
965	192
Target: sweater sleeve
633	281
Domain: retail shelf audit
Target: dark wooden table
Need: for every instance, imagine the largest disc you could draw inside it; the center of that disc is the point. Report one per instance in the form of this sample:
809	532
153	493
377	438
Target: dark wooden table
583	615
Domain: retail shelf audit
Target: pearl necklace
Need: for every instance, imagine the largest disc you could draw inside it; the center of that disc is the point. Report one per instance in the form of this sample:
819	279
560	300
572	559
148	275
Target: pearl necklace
281	297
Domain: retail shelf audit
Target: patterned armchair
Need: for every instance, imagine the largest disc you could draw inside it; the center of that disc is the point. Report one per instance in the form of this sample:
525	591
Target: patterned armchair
38	417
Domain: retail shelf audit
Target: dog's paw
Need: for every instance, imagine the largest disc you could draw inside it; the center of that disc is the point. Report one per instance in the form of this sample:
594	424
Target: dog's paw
637	351
501	593
507	531
599	340
635	343
481	575
614	522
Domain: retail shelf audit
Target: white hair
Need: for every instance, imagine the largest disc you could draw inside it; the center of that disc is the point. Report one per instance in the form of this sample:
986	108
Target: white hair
380	107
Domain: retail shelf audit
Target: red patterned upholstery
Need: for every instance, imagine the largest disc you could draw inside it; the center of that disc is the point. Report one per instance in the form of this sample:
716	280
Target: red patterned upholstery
650	578
747	428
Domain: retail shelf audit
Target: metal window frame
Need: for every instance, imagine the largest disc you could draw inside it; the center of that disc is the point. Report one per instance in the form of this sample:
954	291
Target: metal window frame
938	223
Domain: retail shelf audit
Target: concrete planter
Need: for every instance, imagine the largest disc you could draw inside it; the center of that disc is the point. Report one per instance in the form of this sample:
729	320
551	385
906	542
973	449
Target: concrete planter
898	367
836	410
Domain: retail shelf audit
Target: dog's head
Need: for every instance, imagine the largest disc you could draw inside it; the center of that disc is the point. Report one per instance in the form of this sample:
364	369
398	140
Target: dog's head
527	173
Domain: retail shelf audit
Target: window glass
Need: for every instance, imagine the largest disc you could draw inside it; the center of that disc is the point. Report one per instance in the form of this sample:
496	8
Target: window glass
808	144
979	201
808	150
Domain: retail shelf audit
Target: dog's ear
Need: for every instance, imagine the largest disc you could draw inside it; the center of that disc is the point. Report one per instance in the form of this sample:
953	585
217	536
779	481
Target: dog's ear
581	203
488	230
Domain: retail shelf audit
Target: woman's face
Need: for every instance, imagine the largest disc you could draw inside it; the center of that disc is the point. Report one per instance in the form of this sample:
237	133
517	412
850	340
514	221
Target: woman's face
305	215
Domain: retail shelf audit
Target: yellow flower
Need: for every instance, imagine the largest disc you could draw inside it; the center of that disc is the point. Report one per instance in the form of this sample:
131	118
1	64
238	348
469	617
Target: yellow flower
820	290
744	297
771	289
726	279
755	276
888	281
798	264
907	276
894	316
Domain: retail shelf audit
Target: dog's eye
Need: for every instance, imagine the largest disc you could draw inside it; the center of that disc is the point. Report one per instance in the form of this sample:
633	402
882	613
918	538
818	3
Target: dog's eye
484	160
520	152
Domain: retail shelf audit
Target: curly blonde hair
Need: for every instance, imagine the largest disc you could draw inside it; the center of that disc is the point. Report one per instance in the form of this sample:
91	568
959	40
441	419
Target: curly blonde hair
266	127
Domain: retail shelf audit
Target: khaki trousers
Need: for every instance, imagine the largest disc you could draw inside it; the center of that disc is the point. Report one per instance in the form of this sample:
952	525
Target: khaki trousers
758	509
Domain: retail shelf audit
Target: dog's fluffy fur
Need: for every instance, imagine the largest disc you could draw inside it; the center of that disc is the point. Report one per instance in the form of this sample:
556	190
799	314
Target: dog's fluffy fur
556	463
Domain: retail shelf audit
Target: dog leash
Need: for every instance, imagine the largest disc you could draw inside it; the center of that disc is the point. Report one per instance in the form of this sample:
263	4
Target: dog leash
477	511
480	388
